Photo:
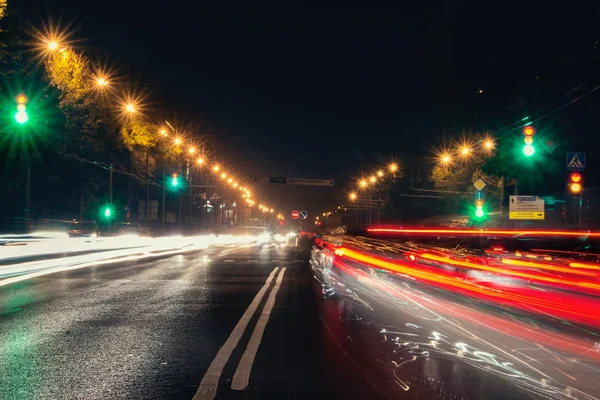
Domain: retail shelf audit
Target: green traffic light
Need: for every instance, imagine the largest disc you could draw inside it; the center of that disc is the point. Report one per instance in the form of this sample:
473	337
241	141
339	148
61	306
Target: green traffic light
107	212
528	150
479	213
21	117
174	182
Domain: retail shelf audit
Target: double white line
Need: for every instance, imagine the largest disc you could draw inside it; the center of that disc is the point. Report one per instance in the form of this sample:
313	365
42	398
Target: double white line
210	381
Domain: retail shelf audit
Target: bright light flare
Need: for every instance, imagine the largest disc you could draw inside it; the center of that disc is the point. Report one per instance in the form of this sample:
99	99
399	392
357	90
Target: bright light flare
380	173
489	144
353	196
362	183
192	150
177	141
216	168
393	167
200	161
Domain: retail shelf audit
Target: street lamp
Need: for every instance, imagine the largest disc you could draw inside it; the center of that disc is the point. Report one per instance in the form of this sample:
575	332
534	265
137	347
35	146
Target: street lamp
488	144
192	150
163	132
130	108
216	168
223	175
373	179
464	151
353	196
393	167
445	159
200	161
362	183
177	141
52	45
101	82
380	173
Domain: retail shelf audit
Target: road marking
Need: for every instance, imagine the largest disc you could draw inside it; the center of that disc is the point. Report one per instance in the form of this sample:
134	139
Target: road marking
252	261
229	261
210	382
241	378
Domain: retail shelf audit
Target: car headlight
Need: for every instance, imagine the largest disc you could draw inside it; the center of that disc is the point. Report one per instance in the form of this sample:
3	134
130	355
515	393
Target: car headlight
280	238
263	237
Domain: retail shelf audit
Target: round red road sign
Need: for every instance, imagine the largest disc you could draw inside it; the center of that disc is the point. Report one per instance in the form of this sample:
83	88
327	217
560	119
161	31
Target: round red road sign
295	214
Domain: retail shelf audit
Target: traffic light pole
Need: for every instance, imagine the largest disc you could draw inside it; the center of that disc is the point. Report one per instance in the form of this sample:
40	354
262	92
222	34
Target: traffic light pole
146	208
28	198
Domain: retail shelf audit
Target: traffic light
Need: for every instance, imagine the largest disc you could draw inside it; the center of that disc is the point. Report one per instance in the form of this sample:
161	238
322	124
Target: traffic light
575	182
528	133
107	212
175	180
21	116
479	208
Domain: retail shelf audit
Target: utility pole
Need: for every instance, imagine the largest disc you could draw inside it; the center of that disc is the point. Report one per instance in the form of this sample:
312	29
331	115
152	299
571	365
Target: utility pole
146	207
110	185
28	198
163	216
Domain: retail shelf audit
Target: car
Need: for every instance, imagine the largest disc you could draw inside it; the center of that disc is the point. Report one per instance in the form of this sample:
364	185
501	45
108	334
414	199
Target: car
129	228
83	229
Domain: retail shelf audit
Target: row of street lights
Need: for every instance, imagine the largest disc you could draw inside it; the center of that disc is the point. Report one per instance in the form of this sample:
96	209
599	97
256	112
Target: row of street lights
131	108
465	151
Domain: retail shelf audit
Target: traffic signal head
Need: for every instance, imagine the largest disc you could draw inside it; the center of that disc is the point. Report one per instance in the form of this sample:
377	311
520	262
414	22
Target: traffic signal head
575	182
479	213
528	133
175	180
21	116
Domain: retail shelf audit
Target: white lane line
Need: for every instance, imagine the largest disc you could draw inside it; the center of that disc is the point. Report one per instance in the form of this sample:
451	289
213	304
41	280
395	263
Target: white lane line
252	261
229	261
208	386
241	378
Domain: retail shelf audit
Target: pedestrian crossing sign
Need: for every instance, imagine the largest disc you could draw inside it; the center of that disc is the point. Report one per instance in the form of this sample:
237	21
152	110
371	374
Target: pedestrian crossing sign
575	161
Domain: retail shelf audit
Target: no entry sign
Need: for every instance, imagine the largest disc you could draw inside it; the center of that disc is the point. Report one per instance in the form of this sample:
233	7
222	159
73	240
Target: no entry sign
295	214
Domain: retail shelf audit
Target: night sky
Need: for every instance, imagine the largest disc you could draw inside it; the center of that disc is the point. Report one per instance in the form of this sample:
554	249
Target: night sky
323	92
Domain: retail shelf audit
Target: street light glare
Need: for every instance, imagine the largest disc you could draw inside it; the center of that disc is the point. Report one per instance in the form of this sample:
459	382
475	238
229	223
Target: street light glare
393	167
101	82
52	45
177	141
373	179
216	168
380	173
130	108
223	175
362	183
163	132
192	150
445	159
200	161
353	196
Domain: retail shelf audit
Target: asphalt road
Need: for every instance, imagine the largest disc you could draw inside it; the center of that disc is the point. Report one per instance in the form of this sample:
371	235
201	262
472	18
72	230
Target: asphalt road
157	329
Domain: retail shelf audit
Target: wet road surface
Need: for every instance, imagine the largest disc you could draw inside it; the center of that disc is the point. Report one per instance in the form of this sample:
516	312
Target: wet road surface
152	329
